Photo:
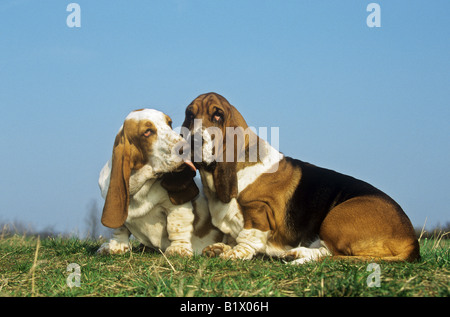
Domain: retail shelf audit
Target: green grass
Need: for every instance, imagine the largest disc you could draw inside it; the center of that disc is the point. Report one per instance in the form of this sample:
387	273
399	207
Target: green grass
25	272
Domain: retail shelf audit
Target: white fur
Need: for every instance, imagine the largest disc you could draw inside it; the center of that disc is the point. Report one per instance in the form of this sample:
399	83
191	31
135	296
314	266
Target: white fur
313	252
208	144
103	180
226	217
118	244
157	117
270	159
152	218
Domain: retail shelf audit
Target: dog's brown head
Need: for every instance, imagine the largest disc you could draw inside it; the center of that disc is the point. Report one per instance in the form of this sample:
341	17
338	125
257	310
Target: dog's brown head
225	140
214	111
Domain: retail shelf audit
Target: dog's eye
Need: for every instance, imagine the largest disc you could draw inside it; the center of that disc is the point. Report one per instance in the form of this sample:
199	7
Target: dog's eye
217	117
147	133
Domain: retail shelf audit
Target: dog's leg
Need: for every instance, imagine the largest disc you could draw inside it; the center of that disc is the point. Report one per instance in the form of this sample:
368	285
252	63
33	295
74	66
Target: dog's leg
118	244
252	239
180	227
302	255
249	243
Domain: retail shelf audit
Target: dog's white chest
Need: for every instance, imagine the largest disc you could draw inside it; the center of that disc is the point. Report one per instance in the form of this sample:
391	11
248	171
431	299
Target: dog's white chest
147	219
227	217
150	229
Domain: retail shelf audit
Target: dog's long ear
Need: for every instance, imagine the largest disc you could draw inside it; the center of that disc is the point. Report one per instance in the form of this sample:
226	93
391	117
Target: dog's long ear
225	173
225	181
115	210
180	186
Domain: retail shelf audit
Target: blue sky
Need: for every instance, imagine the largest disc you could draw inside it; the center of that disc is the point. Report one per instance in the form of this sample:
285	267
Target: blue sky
373	103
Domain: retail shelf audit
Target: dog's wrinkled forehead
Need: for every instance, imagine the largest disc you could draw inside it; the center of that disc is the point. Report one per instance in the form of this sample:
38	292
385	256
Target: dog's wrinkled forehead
207	103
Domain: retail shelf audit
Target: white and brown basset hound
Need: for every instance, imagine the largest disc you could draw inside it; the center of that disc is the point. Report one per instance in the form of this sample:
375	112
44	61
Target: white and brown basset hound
284	207
150	191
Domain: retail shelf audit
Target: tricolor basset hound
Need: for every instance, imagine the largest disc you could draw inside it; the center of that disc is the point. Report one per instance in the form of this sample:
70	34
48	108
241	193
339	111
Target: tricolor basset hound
150	191
280	206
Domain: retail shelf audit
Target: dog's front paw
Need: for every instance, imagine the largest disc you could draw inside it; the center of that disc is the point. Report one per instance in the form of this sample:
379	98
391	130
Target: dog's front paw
292	255
303	255
179	250
215	249
239	252
113	247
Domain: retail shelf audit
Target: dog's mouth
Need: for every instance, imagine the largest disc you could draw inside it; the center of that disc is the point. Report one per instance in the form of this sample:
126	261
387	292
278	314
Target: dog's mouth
178	169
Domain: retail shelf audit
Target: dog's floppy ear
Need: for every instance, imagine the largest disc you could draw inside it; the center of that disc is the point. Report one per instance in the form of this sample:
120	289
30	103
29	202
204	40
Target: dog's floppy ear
115	210
225	173
180	186
225	181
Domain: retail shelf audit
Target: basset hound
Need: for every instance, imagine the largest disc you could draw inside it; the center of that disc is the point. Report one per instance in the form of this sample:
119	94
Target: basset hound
150	191
284	207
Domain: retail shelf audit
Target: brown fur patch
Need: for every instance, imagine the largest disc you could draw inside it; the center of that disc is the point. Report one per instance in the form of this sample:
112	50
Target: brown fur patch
355	228
264	203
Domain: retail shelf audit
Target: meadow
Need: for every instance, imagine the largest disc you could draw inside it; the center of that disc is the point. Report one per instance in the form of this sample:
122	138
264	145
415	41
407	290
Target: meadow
55	267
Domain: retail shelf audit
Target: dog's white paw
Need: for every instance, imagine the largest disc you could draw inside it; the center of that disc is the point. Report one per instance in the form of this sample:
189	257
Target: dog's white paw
303	255
215	249
179	250
239	252
113	247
